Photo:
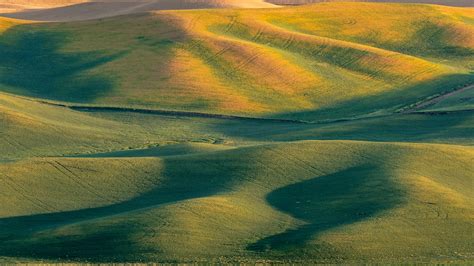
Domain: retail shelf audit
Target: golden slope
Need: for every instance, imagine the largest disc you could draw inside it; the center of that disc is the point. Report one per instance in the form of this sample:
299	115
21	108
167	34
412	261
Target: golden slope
299	62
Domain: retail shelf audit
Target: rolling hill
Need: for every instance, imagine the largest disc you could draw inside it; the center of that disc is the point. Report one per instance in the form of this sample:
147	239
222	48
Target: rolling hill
93	9
327	133
461	3
17	6
294	201
285	63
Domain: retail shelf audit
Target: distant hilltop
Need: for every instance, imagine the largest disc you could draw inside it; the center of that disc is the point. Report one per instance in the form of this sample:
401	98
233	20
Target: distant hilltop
461	3
62	10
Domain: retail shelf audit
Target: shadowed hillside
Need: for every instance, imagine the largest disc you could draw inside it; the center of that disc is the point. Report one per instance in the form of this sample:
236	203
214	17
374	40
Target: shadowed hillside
34	66
290	200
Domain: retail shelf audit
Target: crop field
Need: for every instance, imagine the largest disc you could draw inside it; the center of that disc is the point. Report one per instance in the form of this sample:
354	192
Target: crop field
201	131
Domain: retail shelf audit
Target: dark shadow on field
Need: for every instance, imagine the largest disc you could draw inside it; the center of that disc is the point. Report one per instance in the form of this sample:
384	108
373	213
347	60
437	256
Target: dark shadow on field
388	100
328	202
337	123
435	128
430	39
442	128
32	64
33	236
433	40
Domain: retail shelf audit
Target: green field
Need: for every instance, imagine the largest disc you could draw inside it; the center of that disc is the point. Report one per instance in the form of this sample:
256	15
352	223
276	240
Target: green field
330	133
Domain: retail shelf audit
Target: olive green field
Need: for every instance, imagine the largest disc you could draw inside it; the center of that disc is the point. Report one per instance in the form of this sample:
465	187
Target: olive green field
328	133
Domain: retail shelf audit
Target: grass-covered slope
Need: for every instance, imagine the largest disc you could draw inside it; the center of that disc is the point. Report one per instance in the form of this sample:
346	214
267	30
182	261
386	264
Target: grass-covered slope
207	199
465	3
314	62
29	128
372	163
294	201
95	9
33	129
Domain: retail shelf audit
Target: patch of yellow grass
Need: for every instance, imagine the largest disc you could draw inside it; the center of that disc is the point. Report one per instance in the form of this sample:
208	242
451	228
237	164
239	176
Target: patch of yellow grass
276	61
197	81
7	23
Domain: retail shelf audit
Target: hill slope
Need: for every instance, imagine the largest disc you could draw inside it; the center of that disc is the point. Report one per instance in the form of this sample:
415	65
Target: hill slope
331	133
465	3
301	201
307	63
84	10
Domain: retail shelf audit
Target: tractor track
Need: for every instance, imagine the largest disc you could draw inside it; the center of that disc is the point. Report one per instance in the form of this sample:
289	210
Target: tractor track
417	108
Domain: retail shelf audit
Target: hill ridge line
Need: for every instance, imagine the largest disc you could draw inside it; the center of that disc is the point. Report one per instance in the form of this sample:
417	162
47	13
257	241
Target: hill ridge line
87	108
432	100
191	114
400	112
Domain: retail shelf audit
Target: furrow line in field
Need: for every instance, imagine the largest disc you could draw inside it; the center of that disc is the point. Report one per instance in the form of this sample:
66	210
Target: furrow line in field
74	178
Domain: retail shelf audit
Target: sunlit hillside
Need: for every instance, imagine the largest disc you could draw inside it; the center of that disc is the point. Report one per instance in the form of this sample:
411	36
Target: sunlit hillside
463	3
221	132
311	63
